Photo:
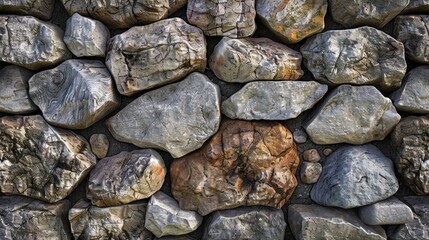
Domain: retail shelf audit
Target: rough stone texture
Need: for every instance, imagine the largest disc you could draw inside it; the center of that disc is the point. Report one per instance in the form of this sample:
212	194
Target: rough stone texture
231	18
249	59
120	222
28	42
74	95
327	151
40	8
244	163
353	115
317	222
299	136
293	20
273	100
182	237
92	42
99	145
310	172
387	212
376	13
417	6
41	161
360	56
14	97
246	223
311	155
177	118
153	55
354	176
164	217
126	177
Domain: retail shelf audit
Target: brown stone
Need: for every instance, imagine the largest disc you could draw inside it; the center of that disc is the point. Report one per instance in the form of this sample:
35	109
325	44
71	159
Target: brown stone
99	145
310	172
311	155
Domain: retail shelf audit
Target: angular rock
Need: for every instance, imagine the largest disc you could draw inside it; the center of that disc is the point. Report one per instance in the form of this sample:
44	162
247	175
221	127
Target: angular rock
26	218
417	6
74	95
310	172
354	176
360	56
38	8
315	222
365	13
311	155
157	54
126	177
40	161
14	97
89	43
99	145
164	217
244	163
246	223
28	42
249	59
120	222
387	212
351	114
230	18
273	100
293	20
177	118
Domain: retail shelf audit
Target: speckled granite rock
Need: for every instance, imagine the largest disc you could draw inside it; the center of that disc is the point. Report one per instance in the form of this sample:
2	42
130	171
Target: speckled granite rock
417	6
99	144
386	212
41	9
310	172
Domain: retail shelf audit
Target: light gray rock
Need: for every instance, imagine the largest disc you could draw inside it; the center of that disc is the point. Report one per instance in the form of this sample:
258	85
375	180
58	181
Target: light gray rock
182	237
246	223
317	222
417	6
74	95
360	56
28	42
157	54
386	212
40	161
273	100
89	43
310	172
354	176
164	217
38	8
352	114
126	177
299	136
177	118
99	145
249	59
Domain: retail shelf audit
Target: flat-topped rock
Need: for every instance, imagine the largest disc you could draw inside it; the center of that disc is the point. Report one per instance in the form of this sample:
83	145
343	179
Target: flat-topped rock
417	6
41	9
387	212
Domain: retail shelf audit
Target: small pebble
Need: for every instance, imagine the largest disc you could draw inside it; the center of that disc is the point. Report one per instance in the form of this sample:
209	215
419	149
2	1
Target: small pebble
299	136
311	155
327	151
99	145
310	172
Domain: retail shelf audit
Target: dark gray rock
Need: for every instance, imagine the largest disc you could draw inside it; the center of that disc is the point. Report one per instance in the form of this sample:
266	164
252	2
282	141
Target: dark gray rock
386	212
38	8
417	6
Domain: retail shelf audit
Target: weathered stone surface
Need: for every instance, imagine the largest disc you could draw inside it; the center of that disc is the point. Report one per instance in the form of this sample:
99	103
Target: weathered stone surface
417	6
182	237
26	218
249	59
28	42
38	8
299	136
293	20
126	177
360	56
41	161
164	217
353	115
317	222
244	163
273	100
386	212
246	223
120	222
311	155
310	172
89	43
177	118
354	176
99	145
376	13
74	95
153	55
231	18
14	97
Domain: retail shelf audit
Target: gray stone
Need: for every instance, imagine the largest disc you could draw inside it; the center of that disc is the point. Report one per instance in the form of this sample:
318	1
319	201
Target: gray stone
310	172
249	59
354	176
157	54
92	42
38	8
28	42
417	6
299	136
352	114
246	223
74	95
182	237
164	217
177	118
99	145
360	56
311	155
126	177
41	161
327	151
14	97
386	212
273	100
317	222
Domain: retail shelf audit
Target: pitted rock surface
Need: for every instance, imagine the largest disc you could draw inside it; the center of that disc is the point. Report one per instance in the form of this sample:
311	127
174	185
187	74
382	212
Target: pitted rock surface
387	212
244	163
41	9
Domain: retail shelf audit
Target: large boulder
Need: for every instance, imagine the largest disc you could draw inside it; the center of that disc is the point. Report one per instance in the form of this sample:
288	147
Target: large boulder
38	8
417	6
